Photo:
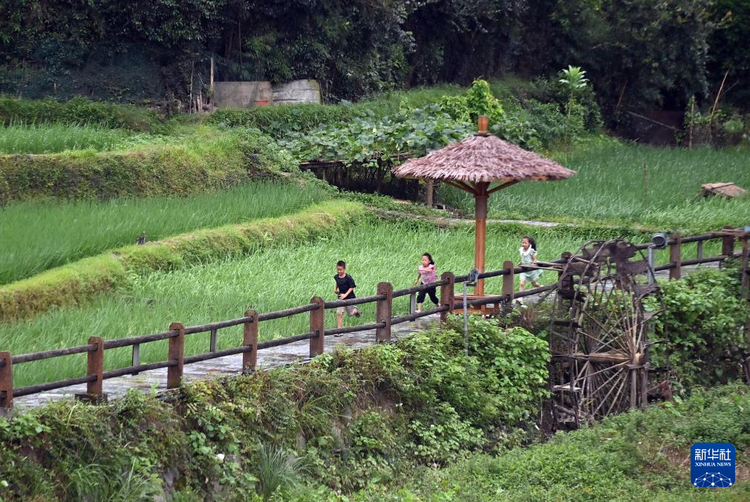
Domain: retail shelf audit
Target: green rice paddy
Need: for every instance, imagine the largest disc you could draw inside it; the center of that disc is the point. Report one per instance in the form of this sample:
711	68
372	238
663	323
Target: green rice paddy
36	236
629	184
55	138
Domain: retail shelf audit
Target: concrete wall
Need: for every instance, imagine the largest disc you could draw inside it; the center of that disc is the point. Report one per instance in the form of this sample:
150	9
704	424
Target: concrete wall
297	91
245	94
241	94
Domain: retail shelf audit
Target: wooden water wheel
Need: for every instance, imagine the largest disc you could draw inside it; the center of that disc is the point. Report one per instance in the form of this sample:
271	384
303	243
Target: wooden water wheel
598	333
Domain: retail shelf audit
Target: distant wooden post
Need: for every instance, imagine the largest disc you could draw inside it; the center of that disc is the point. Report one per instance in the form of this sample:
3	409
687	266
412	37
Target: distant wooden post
508	280
135	358
675	257
6	381
177	355
95	368
745	268
318	325
250	339
430	192
383	312
446	294
727	244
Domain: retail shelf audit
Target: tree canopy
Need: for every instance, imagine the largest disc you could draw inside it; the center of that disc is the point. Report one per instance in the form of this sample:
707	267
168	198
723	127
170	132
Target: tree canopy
637	53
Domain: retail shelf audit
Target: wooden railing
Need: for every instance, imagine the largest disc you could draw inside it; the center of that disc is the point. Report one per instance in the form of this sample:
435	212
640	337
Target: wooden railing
384	321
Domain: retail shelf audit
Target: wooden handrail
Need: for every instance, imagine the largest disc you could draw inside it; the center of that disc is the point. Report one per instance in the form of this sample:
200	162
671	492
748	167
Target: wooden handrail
250	347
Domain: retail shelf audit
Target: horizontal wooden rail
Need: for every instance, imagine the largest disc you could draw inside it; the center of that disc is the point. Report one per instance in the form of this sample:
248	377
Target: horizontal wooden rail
354	301
43	387
417	315
286	341
49	354
353	329
288	312
219	353
316	308
137	369
135	340
416	289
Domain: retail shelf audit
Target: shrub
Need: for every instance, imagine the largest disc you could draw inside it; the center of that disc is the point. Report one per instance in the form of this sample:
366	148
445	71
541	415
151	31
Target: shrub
278	121
356	416
703	328
79	111
163	169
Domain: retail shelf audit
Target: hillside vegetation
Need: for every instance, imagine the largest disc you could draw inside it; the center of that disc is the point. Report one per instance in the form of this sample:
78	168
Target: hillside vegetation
417	420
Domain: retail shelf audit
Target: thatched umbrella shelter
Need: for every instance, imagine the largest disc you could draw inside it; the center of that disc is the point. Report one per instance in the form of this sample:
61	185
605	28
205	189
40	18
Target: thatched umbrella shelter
481	165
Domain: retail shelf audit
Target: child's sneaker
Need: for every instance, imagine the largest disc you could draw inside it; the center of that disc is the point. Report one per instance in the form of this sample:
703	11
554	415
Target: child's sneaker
356	313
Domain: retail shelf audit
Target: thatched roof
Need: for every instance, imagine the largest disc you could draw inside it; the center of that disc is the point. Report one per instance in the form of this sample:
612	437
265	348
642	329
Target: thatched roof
483	159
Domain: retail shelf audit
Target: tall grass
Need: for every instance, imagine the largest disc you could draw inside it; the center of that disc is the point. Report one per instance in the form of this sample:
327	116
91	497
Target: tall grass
37	236
610	187
55	138
269	280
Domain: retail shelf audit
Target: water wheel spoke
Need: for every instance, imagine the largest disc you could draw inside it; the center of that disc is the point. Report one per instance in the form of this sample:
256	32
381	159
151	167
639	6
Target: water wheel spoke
609	392
609	368
602	340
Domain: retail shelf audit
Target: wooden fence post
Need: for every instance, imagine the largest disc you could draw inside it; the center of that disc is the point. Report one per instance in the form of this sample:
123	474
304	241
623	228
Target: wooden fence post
95	368
250	339
318	325
508	280
135	358
675	257
745	268
727	244
446	294
384	311
6	381
177	354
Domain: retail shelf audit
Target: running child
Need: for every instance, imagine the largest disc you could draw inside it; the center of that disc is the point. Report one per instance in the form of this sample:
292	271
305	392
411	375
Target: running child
345	291
426	275
528	257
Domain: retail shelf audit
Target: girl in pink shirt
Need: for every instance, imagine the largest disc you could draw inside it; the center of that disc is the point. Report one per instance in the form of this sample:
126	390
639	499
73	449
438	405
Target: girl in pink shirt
426	275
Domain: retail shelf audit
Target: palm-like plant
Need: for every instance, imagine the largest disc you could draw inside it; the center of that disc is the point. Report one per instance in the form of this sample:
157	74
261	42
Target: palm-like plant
573	78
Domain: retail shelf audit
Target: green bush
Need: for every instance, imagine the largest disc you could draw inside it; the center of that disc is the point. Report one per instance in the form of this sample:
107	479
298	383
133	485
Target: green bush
278	121
345	419
79	111
197	164
703	328
642	455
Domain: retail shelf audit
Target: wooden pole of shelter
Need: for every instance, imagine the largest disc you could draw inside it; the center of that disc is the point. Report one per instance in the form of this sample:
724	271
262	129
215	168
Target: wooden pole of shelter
480	240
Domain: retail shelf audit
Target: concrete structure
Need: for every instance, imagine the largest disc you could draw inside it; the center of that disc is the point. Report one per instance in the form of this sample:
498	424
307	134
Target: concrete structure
247	94
241	94
295	92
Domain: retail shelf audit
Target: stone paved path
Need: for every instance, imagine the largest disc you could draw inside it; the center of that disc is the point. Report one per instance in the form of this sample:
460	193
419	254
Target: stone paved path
156	380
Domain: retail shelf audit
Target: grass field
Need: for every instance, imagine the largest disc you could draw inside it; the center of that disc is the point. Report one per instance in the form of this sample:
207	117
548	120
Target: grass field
55	138
273	279
609	187
37	236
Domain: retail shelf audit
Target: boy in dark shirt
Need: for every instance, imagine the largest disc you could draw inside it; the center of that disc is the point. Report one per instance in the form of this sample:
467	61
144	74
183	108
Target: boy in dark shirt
345	291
